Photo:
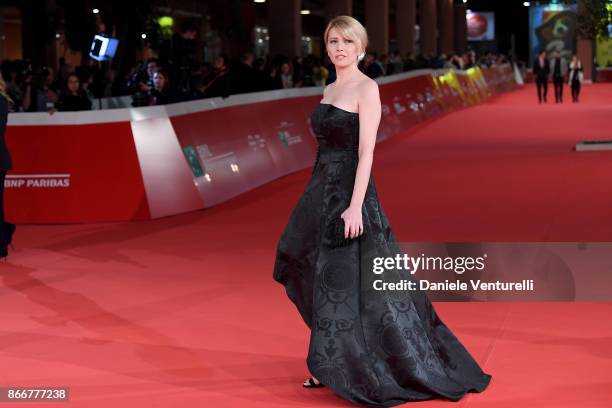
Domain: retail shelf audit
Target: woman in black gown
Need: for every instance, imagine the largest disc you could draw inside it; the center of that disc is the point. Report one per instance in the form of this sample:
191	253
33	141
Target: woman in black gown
372	347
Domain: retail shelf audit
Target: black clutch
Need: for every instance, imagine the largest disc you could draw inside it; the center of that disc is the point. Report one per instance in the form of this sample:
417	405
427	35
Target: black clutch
334	234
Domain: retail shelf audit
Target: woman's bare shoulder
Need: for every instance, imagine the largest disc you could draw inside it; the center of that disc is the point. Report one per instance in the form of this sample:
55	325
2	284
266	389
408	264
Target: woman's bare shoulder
327	90
368	89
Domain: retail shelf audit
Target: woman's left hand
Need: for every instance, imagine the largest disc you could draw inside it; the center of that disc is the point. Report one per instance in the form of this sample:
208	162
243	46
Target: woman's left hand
353	222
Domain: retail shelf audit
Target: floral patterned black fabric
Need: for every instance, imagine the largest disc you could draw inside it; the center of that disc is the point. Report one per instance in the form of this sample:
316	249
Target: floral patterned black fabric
373	347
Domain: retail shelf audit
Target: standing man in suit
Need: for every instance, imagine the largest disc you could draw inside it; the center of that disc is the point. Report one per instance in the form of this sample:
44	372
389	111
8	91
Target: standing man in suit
559	72
6	228
541	71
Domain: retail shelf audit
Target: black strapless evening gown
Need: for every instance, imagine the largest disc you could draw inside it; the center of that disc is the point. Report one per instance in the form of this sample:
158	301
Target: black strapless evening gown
373	347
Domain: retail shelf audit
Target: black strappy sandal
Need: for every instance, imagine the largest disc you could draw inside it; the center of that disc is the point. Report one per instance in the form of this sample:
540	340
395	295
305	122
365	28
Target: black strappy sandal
312	384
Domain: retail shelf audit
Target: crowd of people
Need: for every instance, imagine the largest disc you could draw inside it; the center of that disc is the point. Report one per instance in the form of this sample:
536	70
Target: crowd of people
150	84
159	81
33	88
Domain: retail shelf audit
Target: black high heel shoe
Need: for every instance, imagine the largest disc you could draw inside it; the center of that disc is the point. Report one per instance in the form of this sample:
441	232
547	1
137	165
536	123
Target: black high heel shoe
310	383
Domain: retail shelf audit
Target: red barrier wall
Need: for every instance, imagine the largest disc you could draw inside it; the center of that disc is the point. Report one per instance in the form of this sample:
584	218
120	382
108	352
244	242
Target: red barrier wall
246	146
74	173
141	163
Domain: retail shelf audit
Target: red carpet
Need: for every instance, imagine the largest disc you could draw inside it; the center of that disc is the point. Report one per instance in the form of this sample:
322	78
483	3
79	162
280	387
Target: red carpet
183	311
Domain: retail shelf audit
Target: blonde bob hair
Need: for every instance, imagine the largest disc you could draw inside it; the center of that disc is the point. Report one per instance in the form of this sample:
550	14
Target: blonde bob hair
349	28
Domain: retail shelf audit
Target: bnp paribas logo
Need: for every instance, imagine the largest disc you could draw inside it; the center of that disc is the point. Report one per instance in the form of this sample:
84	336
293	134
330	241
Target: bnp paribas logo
37	181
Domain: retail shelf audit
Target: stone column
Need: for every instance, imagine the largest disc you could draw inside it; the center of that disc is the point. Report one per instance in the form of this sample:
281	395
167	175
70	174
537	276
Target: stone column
445	26
335	8
405	20
285	27
38	44
377	23
428	25
584	49
460	36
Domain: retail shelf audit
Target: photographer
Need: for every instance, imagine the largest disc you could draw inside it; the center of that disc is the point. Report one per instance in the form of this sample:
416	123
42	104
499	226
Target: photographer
40	95
141	83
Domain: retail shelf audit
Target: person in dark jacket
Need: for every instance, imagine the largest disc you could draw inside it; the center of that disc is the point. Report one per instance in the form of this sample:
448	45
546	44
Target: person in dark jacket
218	83
6	228
558	68
372	67
246	78
541	71
74	97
